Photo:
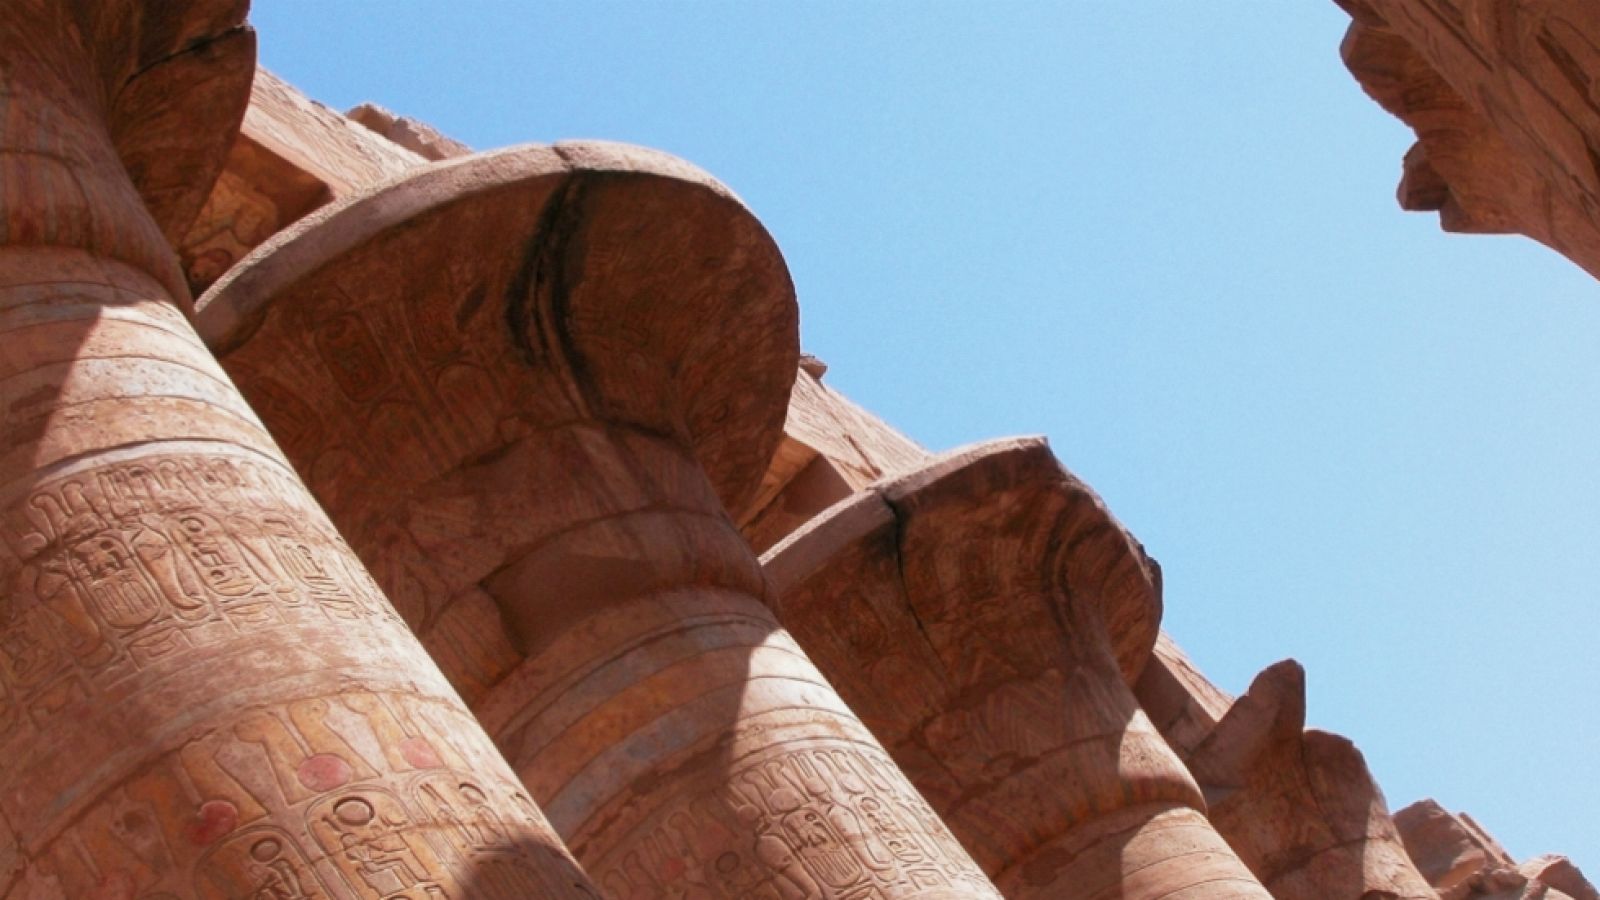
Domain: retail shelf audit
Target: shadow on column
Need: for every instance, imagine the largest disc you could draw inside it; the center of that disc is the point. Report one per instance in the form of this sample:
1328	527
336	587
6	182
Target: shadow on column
202	692
1300	806
527	384
985	614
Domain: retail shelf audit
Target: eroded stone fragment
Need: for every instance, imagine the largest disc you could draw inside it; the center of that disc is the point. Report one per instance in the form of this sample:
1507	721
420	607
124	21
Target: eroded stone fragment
202	693
527	384
984	615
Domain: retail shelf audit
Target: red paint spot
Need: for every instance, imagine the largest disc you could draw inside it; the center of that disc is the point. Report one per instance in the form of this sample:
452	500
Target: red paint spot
215	819
420	753
673	869
324	772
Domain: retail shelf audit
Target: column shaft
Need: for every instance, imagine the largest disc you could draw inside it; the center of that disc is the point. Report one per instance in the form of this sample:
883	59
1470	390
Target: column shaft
678	737
202	693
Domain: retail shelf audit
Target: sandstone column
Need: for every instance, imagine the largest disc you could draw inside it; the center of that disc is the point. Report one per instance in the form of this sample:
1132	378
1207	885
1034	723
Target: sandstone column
202	693
984	615
527	384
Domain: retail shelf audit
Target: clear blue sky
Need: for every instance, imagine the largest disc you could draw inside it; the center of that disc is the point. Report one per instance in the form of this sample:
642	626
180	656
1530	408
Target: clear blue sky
1164	234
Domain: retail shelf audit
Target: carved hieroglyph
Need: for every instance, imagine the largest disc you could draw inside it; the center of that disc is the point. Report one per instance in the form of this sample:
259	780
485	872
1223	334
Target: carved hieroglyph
202	693
527	384
983	615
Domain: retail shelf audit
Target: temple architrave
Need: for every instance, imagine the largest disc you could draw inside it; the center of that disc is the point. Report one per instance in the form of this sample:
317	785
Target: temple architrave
385	519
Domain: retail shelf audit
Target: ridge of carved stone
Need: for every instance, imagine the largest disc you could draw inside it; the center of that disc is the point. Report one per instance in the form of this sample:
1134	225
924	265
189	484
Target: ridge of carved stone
231	310
1027	464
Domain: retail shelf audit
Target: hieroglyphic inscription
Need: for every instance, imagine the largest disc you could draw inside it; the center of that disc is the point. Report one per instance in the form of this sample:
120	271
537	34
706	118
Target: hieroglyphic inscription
360	794
267	862
109	571
830	822
374	840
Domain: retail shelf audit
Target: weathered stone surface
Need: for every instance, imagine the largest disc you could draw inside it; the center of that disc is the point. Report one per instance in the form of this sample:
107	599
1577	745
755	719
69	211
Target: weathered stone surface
1183	704
202	692
831	448
1292	844
984	614
292	156
295	155
1463	862
418	137
527	384
1300	806
1560	874
205	696
1447	849
1501	96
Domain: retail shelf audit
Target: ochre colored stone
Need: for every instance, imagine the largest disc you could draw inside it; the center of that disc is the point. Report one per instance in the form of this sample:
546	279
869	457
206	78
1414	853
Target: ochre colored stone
202	693
984	615
527	384
831	448
1501	96
205	695
292	156
1464	862
1183	704
1300	806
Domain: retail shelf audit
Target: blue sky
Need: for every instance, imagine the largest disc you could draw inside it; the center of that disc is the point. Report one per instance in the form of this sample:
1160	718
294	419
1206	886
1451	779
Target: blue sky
1163	234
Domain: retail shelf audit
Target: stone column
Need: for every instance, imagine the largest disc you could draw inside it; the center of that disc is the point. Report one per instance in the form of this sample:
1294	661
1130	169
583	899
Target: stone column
527	384
202	694
984	615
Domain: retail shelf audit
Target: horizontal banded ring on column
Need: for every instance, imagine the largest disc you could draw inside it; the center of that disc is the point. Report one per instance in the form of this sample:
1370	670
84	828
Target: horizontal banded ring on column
202	694
984	615
542	376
